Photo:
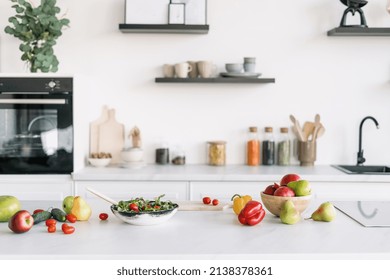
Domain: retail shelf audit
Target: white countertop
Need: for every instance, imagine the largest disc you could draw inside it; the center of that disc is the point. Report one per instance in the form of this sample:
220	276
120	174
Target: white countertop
152	172
197	235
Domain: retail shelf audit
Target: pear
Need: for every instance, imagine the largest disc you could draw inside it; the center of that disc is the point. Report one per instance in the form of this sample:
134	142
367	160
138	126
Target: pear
67	204
289	214
301	187
326	212
81	209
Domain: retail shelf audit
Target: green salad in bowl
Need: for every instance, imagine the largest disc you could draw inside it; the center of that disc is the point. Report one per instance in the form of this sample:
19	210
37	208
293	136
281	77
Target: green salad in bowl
140	211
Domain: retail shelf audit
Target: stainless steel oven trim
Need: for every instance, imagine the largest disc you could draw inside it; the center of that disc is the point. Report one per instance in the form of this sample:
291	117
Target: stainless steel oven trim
32	101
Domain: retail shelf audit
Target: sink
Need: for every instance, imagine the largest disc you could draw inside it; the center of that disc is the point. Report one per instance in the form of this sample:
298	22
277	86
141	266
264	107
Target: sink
364	169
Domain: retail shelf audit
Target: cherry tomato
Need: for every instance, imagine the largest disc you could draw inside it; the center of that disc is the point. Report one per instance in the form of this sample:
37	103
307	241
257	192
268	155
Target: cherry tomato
51	228
37	211
103	216
157	206
67	229
206	200
134	207
50	222
215	202
71	218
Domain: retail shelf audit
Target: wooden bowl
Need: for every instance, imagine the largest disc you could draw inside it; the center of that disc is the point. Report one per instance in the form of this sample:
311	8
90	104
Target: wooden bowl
274	203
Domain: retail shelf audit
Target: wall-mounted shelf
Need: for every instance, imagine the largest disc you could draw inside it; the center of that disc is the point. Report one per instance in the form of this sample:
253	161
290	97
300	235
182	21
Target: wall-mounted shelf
217	80
164	28
359	31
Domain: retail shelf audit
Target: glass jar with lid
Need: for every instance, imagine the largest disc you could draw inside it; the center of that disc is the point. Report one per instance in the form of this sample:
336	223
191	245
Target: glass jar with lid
216	153
253	147
284	147
268	144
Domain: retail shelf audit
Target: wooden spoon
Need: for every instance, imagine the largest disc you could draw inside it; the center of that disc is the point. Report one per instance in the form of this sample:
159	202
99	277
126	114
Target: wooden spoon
297	128
102	196
317	126
308	128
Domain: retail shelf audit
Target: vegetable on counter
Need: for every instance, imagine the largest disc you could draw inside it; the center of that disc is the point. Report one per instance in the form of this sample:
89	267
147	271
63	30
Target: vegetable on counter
142	205
41	216
103	216
67	229
252	214
206	200
239	202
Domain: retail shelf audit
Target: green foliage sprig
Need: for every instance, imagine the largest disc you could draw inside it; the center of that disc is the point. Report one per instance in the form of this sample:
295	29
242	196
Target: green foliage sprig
38	28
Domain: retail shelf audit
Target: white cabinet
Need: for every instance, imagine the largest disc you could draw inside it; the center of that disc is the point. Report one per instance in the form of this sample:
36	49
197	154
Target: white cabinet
39	187
124	190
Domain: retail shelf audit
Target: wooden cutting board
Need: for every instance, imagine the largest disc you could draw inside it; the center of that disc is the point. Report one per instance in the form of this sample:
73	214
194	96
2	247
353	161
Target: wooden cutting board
94	131
200	206
112	137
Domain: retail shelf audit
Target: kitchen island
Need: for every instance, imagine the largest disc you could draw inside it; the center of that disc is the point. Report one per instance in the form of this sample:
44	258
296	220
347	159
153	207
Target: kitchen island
197	235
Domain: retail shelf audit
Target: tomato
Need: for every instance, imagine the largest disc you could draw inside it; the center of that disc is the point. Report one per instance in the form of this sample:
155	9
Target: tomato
37	211
71	218
215	202
157	206
206	200
50	222
134	207
51	228
103	216
67	229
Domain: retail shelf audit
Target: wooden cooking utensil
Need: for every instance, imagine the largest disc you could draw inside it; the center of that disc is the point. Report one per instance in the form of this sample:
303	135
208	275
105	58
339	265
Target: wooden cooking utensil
317	126
308	129
298	128
102	196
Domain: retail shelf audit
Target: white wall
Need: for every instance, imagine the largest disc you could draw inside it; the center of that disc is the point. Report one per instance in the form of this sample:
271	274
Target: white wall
342	78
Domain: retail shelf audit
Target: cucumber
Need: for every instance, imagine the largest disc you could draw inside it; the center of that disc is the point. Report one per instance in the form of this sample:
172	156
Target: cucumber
58	214
41	216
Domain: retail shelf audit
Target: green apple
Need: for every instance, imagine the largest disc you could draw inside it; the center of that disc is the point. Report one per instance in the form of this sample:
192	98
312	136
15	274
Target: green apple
67	204
9	205
301	187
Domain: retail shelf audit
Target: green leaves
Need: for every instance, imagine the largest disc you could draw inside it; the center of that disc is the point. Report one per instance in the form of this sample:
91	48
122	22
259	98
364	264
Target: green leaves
38	28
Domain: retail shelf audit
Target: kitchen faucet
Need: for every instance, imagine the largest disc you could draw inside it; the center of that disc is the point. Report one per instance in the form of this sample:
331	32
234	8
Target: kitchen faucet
360	158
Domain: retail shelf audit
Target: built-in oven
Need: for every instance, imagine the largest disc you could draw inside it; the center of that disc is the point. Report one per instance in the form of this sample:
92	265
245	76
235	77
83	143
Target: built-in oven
36	125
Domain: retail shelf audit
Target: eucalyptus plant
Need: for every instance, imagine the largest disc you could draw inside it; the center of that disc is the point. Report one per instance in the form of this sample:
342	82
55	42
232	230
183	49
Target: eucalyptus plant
38	28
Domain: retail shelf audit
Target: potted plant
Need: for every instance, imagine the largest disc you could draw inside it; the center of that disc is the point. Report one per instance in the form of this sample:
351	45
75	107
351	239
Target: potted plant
38	28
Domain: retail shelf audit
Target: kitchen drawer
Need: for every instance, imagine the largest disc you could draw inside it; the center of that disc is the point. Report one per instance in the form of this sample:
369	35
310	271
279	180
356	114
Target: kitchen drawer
351	191
36	188
127	190
225	190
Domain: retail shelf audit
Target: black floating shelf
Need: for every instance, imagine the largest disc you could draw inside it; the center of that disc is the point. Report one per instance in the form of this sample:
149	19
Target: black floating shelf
164	28
217	80
359	31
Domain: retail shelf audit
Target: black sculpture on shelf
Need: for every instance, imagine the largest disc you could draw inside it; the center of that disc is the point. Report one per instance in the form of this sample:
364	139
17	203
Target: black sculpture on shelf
353	7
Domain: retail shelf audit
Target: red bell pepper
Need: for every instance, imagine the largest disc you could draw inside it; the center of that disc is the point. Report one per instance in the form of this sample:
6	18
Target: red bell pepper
252	214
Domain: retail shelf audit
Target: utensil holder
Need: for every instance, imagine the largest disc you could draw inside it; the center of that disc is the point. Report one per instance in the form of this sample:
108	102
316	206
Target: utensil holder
307	152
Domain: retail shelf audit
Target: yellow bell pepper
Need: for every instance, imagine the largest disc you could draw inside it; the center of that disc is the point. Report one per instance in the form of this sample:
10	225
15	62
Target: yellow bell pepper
239	202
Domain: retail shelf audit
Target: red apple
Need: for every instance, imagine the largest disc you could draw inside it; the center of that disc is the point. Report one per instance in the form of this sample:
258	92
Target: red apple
271	189
289	178
284	191
21	222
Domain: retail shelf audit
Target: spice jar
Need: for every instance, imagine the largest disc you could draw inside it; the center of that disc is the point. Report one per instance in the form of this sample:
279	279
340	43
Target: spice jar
216	153
253	148
268	147
178	156
162	154
284	147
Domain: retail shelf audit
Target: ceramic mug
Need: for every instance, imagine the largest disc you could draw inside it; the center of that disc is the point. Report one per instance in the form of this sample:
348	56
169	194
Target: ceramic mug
206	69
194	73
182	69
168	70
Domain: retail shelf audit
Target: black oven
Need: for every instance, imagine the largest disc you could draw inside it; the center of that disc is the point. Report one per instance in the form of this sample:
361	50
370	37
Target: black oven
36	125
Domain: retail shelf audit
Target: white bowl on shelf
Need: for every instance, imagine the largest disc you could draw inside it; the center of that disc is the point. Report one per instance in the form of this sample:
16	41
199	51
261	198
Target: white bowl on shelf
132	155
99	162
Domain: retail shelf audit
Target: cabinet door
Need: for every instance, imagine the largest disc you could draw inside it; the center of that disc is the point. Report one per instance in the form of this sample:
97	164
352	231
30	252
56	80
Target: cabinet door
351	191
225	190
126	190
31	188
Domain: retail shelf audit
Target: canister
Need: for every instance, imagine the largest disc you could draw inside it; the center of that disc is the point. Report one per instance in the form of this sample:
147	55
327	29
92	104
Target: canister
216	153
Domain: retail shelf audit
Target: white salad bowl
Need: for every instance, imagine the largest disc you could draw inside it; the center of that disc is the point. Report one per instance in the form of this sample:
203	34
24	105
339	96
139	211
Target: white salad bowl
145	218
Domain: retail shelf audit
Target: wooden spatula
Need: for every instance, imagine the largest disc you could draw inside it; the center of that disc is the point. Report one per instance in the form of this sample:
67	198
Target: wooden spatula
308	129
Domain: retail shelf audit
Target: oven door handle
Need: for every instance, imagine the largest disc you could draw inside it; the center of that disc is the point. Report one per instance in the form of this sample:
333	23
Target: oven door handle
33	101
